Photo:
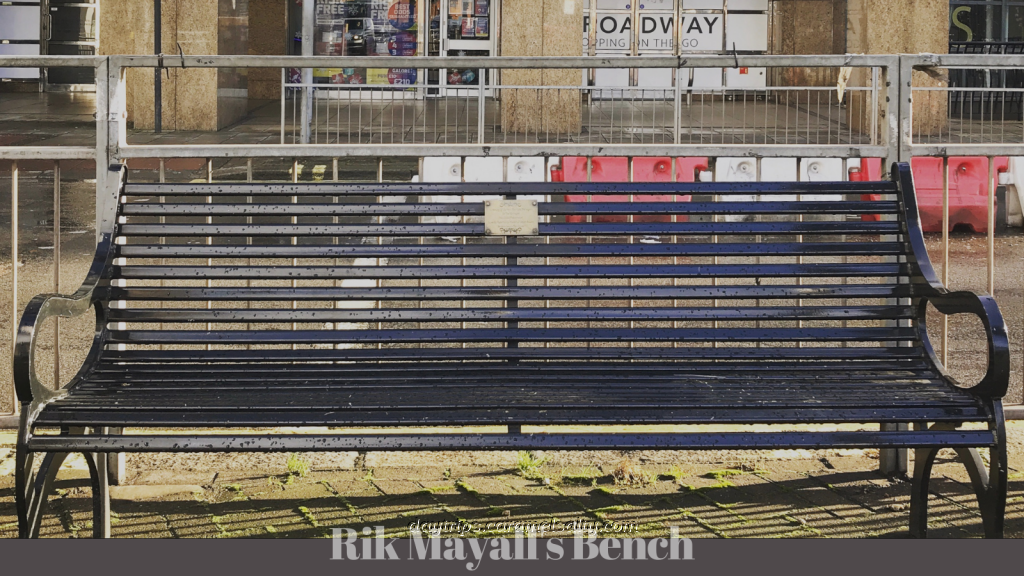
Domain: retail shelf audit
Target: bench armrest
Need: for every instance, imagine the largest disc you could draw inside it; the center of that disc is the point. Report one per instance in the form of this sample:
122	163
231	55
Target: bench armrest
928	287
44	306
997	379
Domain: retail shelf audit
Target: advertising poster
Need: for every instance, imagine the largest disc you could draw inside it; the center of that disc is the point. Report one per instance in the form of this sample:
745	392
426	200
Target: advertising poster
365	28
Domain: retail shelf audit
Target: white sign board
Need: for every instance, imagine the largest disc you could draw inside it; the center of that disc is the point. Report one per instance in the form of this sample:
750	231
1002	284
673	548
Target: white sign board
698	32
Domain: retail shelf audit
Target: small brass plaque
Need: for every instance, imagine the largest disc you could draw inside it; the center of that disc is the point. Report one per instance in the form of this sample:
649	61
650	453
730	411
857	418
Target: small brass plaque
510	218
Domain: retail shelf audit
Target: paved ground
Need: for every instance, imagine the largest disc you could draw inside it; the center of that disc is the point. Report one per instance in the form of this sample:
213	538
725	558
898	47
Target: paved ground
715	494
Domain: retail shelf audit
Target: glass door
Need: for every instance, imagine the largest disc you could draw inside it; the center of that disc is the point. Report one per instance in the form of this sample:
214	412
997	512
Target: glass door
71	30
466	31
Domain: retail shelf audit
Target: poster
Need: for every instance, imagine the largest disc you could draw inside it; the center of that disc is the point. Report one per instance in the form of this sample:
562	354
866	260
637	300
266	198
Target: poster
402	44
365	28
401	15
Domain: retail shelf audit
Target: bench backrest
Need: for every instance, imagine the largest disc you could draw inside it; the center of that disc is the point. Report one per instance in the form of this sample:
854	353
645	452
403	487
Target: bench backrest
326	271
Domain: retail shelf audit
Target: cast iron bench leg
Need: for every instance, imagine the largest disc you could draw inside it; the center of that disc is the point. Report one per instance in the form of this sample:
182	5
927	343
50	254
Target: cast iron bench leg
33	490
989	485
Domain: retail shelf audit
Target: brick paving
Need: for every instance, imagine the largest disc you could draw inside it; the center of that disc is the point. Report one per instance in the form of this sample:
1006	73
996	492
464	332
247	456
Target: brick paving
804	494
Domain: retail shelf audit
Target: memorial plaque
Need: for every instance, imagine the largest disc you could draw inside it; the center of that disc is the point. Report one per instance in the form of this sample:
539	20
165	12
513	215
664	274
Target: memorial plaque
510	217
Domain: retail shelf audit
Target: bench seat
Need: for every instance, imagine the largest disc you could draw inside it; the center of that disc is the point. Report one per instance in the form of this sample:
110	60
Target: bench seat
482	393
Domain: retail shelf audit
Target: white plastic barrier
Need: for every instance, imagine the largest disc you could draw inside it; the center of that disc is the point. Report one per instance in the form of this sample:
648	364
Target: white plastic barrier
778	170
822	170
736	170
441	169
526	169
488	169
1013	178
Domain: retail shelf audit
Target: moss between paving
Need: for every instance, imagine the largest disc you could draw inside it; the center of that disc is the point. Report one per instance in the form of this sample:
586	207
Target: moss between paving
813	494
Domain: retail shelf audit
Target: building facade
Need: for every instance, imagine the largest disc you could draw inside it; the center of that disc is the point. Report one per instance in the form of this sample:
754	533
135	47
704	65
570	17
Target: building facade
211	99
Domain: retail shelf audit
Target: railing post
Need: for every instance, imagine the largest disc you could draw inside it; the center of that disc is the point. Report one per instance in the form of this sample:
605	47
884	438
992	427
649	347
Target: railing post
677	99
481	103
307	73
905	109
103	132
897	92
14	258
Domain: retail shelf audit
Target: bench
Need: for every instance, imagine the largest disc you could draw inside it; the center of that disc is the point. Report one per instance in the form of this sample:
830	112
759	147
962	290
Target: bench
242	305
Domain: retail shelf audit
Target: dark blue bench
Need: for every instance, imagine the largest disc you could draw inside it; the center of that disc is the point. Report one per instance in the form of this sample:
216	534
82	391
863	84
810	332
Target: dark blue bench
248	305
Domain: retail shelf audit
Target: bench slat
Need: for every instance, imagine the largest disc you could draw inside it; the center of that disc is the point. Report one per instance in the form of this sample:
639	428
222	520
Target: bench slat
443	356
544	208
516	293
516	314
544	441
449	250
512	334
572	229
486	271
503	188
55	415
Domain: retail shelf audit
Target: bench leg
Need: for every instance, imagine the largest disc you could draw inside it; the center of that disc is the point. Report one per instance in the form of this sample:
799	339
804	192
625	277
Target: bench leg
40	489
98	473
923	460
115	461
893	461
989	485
32	490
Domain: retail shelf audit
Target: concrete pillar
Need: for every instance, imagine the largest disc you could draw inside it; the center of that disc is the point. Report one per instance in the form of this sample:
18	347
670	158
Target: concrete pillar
895	27
268	33
189	97
541	28
807	27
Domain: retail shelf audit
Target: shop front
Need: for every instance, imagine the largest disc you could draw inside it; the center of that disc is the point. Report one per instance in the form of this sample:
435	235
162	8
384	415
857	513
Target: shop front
473	28
401	28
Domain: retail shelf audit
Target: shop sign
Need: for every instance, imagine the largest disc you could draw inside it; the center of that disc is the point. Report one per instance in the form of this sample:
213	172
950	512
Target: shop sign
698	32
329	11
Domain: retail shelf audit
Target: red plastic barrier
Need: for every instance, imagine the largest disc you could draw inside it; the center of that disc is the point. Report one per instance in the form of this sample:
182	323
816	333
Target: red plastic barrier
968	191
870	170
616	169
609	169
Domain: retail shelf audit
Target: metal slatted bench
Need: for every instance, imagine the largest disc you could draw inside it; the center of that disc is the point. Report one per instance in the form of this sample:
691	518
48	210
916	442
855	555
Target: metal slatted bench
362	305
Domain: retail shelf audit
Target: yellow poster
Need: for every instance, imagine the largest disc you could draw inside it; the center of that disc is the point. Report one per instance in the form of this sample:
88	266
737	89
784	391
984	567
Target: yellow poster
377	76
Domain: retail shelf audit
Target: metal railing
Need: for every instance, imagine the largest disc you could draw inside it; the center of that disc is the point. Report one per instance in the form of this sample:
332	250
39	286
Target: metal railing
872	117
938	119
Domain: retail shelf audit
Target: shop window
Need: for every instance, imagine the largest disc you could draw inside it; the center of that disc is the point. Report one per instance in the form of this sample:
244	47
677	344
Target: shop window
366	28
976	22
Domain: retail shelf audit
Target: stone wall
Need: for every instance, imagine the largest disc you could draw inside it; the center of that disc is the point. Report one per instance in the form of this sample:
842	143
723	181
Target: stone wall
541	28
902	26
189	97
807	27
268	35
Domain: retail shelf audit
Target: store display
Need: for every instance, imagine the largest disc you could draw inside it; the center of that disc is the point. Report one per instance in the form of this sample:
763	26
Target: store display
464	19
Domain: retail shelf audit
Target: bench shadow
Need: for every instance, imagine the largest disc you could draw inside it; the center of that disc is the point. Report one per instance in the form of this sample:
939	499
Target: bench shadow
845	504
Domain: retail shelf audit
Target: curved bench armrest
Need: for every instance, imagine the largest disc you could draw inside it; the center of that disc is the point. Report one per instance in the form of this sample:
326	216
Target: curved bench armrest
44	306
997	378
930	289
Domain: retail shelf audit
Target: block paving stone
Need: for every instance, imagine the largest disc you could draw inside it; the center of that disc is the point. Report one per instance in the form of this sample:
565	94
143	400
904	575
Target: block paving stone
816	495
